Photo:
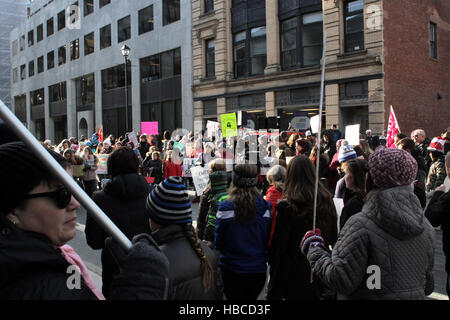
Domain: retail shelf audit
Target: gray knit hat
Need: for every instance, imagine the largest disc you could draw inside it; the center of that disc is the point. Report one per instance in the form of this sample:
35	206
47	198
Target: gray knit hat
169	203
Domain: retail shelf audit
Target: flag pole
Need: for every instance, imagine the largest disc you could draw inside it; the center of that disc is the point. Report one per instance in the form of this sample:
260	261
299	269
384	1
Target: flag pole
43	155
319	134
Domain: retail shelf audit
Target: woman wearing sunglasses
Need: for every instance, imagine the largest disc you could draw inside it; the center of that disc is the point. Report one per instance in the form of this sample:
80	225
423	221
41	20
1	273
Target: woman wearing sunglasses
37	219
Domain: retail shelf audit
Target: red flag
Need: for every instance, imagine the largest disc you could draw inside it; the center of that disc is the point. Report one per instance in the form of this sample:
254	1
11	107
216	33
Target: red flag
100	133
393	129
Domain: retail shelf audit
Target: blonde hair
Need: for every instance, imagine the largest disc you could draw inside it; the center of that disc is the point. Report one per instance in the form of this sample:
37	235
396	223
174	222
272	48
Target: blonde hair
276	177
217	165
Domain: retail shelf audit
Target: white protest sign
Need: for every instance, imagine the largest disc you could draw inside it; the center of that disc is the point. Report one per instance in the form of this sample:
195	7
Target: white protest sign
132	138
288	159
315	124
339	204
200	175
212	128
188	163
352	134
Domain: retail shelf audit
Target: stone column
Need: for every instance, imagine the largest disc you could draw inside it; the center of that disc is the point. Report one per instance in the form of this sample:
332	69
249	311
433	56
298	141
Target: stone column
332	106
270	104
376	106
30	123
72	121
272	37
229	40
49	122
98	102
135	97
221	107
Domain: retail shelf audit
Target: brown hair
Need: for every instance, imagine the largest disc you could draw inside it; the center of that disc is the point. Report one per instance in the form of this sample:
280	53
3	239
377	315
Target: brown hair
407	143
218	165
205	265
244	198
357	169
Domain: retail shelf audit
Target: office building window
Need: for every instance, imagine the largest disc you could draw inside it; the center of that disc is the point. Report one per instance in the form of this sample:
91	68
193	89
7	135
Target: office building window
105	37
104	3
31	68
301	41
50	27
74	49
88	7
210	58
58	92
146	20
160	66
171	11
40	33
22	43
61	55
50	60
89	43
250	52
209	5
124	29
433	41
15	75
210	107
37	97
23	70
85	90
30	38
15	47
61	20
354	25
40	64
114	77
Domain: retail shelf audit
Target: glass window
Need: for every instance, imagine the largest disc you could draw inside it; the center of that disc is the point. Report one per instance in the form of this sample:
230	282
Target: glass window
15	75
74	49
85	90
289	43
58	92
150	68
209	5
22	43
31	68
210	107
50	27
167	64
433	41
171	11
354	25
177	61
124	29
146	20
15	47
61	55
105	37
258	50
89	43
240	63
50	60
40	32
88	7
40	64
104	3
61	20
30	38
210	58
37	97
23	70
312	38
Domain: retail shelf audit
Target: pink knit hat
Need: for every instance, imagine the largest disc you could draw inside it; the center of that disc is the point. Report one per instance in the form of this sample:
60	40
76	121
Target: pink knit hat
392	167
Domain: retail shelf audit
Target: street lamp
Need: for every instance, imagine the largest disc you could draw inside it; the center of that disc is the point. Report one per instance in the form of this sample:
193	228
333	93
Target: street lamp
126	52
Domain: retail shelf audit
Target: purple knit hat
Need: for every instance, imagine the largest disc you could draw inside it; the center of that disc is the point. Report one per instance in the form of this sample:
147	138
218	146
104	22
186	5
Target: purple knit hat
392	167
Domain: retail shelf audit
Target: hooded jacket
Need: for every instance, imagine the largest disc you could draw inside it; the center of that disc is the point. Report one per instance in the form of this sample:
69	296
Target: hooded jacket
123	201
391	233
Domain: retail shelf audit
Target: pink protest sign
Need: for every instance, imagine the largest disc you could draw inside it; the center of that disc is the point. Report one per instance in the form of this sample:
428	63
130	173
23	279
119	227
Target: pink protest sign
149	127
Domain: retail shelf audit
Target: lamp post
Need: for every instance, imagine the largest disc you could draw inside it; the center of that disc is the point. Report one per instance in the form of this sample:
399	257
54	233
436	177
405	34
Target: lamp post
126	52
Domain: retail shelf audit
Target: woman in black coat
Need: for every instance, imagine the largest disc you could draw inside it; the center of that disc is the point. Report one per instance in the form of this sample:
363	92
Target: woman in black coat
123	200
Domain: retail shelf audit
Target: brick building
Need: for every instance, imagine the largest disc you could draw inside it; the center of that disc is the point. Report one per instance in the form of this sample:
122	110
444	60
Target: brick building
263	57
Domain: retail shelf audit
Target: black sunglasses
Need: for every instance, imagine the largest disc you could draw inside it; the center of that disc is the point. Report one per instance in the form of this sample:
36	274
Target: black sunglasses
61	197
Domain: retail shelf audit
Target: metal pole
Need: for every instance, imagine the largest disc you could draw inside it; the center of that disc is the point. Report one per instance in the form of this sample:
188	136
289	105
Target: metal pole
35	146
126	93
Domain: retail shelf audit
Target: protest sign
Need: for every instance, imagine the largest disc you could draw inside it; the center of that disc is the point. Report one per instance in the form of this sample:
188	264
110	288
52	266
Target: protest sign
102	164
200	175
212	128
150	127
352	134
178	145
339	204
132	138
315	124
229	124
288	159
188	163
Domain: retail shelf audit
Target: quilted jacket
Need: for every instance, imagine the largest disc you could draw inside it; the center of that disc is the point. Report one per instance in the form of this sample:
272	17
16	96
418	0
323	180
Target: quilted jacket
390	232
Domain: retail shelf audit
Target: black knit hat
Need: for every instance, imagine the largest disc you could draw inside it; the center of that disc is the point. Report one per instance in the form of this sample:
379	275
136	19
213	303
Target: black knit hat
22	172
169	203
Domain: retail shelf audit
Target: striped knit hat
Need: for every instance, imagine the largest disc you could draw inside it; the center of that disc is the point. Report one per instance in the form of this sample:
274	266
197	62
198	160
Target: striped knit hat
169	203
346	152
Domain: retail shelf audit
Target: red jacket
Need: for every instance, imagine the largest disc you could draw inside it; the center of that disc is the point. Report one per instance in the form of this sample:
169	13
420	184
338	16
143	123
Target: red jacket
273	195
171	169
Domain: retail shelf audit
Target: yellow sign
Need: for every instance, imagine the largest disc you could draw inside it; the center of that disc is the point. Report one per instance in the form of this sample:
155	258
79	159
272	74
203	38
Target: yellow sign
229	125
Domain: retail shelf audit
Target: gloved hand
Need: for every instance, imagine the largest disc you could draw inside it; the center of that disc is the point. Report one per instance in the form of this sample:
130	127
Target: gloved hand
144	270
312	238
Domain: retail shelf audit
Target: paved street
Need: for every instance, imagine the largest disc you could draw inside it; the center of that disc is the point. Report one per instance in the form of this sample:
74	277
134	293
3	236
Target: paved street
93	262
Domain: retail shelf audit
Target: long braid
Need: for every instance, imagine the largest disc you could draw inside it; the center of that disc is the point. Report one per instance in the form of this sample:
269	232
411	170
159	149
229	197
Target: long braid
205	266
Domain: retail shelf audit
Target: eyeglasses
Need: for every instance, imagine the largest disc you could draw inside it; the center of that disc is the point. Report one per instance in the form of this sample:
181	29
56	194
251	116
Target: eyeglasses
61	197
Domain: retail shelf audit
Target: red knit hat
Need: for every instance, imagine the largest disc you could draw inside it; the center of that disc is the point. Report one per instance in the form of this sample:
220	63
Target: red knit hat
392	167
437	144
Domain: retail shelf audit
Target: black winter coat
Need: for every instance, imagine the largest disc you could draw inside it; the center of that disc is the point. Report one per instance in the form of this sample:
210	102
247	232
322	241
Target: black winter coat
123	201
184	272
289	269
352	206
154	168
31	268
438	213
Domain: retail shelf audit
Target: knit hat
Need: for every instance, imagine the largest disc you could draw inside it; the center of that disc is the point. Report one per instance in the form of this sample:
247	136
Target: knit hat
392	167
346	152
244	182
23	171
219	181
169	203
437	144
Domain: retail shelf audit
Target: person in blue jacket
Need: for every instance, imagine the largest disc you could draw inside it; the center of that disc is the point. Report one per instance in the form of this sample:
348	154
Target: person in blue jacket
242	233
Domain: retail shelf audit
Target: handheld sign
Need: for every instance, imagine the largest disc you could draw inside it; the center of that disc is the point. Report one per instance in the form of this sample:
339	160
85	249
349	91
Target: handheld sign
352	134
229	125
150	127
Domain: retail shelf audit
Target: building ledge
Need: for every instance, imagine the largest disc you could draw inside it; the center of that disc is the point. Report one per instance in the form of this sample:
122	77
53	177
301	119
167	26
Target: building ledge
352	54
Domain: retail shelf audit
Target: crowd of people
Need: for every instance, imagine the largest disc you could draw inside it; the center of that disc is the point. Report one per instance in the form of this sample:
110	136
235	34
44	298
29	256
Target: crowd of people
254	216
